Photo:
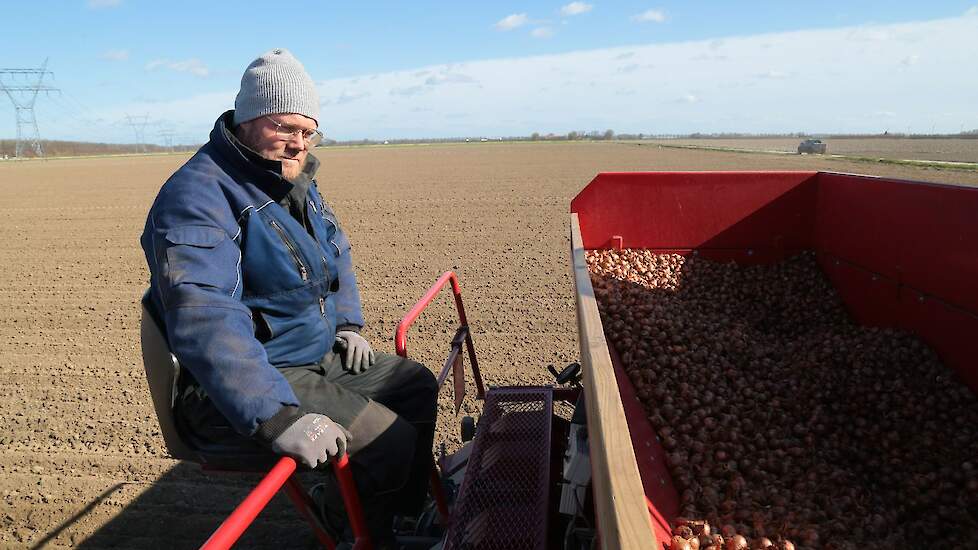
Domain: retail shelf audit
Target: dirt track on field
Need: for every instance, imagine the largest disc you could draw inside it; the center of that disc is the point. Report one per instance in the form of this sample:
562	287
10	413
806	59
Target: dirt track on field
81	459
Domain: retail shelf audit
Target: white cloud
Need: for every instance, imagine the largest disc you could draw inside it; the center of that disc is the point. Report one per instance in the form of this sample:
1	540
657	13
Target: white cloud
448	77
99	4
115	55
650	16
407	90
869	34
973	10
753	89
575	8
193	66
910	60
773	74
349	97
511	22
542	32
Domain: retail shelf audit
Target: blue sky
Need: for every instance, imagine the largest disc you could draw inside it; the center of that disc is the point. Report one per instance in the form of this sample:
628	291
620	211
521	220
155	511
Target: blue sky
436	69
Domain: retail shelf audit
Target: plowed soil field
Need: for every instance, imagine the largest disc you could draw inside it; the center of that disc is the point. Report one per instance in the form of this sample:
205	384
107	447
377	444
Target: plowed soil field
82	462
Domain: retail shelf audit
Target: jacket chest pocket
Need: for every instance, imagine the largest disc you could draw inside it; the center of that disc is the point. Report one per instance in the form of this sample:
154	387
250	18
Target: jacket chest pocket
292	248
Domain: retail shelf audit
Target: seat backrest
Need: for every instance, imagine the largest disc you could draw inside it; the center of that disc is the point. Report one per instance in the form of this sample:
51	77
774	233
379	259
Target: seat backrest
162	371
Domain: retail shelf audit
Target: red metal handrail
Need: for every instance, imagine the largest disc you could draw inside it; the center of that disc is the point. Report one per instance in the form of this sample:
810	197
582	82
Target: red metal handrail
246	512
453	362
283	473
400	335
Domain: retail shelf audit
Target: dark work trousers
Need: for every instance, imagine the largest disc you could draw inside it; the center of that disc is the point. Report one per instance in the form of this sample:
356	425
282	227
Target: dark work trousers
390	409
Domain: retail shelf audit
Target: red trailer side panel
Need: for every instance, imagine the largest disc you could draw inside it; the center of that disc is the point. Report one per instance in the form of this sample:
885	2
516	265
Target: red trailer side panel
765	212
905	254
922	235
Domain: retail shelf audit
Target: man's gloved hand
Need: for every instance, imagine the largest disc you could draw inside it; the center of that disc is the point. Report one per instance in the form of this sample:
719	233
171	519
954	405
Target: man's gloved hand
313	439
358	354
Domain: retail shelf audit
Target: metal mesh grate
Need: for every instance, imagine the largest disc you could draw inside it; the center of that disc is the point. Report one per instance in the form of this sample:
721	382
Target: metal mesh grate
503	500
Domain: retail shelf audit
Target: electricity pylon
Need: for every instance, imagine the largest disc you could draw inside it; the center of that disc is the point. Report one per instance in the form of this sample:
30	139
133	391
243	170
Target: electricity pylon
23	95
167	136
138	125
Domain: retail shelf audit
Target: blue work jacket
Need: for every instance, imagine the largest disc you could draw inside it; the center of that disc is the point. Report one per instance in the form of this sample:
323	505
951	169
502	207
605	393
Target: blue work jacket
241	286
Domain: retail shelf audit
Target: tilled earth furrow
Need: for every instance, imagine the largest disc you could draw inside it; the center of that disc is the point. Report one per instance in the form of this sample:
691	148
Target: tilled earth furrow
82	462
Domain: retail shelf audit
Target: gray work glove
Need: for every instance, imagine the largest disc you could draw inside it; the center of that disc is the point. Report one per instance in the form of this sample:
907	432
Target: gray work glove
313	439
358	354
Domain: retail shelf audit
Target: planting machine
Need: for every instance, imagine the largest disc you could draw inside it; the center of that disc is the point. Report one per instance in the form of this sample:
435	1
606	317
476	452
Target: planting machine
900	254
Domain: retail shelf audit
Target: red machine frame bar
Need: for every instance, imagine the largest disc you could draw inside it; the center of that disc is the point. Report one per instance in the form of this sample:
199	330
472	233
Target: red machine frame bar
400	335
454	362
283	474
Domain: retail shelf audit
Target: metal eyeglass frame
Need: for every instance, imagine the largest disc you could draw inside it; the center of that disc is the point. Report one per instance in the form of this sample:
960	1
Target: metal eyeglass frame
310	137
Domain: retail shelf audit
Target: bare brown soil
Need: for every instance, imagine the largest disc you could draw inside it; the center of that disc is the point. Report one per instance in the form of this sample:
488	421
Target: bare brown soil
939	149
81	459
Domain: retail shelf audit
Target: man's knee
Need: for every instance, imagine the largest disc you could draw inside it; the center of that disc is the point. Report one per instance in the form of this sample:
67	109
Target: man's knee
425	386
426	380
387	459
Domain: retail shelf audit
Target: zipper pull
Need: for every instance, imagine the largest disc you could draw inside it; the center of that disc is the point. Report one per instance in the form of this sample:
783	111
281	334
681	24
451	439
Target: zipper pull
303	273
322	306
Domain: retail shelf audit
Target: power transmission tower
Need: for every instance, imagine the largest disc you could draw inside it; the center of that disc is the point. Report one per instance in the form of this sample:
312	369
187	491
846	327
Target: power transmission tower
167	136
138	125
23	95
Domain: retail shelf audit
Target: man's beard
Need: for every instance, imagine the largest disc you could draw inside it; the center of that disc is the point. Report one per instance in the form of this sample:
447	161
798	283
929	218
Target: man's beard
287	169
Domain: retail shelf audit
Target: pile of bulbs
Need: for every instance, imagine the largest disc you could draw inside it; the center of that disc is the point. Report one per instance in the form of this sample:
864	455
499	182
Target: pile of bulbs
784	423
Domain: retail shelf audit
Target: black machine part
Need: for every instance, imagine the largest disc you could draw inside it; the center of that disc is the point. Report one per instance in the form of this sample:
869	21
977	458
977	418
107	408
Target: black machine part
571	374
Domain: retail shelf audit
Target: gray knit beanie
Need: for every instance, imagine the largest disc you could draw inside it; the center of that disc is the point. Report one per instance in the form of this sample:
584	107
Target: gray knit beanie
276	83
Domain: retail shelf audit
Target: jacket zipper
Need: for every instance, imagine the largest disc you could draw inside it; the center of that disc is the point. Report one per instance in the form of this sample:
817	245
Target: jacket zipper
295	254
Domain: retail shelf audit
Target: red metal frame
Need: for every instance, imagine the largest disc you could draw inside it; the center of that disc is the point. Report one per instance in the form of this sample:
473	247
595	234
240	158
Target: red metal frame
463	333
453	363
900	253
284	474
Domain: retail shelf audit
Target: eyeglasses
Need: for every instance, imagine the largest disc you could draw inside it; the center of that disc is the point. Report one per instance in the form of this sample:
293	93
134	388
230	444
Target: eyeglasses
287	132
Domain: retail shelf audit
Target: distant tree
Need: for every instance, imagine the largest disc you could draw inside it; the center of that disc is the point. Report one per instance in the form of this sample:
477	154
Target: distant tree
641	136
572	135
609	134
535	136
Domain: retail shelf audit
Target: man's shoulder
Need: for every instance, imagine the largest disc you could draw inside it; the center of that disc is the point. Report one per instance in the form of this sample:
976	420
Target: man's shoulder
200	186
200	171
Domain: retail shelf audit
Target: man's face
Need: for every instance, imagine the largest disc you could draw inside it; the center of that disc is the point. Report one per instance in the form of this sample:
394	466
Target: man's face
264	136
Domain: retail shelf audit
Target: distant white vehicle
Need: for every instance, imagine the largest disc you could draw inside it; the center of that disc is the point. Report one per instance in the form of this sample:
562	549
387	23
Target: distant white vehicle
483	139
386	142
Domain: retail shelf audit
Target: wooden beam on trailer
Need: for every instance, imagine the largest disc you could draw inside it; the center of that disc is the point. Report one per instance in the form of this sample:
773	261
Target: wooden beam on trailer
619	499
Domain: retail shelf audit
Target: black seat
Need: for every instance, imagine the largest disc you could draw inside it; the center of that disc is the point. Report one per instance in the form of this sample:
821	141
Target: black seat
163	374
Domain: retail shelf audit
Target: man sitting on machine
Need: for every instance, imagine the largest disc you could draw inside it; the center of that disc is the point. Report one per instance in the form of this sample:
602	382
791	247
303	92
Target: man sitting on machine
253	278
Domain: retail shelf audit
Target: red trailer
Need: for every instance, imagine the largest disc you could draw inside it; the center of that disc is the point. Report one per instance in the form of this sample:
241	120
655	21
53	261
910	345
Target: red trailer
900	253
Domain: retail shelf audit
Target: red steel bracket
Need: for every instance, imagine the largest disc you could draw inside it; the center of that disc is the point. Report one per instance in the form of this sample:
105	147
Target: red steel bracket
454	362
